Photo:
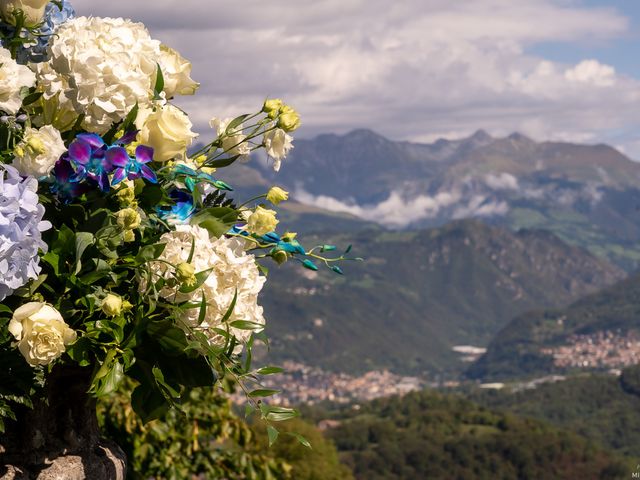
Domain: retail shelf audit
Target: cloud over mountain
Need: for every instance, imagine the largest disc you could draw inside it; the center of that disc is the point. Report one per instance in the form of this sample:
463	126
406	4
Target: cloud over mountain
424	68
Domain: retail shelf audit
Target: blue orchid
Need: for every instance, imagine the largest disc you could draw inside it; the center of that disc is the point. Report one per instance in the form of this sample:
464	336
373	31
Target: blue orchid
182	208
193	177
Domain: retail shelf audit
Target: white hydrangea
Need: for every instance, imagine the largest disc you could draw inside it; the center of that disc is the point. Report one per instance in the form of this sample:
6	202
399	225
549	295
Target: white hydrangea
13	77
100	67
38	151
232	270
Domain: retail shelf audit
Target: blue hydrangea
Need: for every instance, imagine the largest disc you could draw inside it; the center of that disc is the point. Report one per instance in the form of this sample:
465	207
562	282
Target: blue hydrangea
21	225
53	17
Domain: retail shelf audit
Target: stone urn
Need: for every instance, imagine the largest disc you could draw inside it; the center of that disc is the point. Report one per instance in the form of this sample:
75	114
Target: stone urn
59	438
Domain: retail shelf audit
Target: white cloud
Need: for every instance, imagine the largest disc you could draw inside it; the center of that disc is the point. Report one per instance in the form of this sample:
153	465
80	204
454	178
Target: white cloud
395	211
593	72
502	181
423	68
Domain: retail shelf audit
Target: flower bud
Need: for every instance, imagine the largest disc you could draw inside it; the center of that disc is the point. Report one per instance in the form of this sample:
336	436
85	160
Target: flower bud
288	120
126	196
112	305
277	195
280	256
128	219
271	107
186	274
289	236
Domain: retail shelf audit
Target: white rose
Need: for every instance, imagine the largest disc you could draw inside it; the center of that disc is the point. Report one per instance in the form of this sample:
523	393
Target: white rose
233	144
167	131
176	71
12	78
277	143
33	10
38	151
41	333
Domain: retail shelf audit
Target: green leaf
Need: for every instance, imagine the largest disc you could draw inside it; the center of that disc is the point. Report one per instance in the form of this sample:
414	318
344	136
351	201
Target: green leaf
279	414
303	441
52	259
149	252
148	403
5	309
83	241
223	162
272	433
233	124
246	325
217	220
201	277
203	310
263	392
159	86
269	370
229	311
171	339
31	98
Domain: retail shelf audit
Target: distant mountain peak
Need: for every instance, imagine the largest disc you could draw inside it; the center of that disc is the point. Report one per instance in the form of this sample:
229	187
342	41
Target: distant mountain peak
481	135
365	134
519	137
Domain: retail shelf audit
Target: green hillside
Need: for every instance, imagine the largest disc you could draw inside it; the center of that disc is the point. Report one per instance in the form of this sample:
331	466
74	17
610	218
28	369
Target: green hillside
516	350
420	293
427	435
601	408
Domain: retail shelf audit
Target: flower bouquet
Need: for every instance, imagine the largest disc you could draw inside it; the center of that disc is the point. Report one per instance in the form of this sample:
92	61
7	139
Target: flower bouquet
121	251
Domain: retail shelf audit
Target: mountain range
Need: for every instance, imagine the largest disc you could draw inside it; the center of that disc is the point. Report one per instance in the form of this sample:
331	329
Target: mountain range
588	195
550	218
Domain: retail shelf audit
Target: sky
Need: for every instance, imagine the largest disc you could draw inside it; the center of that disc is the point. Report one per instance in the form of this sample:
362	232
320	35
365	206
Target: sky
413	70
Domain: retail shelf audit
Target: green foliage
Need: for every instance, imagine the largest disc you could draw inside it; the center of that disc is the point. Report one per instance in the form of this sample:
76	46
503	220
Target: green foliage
427	435
205	437
601	408
319	462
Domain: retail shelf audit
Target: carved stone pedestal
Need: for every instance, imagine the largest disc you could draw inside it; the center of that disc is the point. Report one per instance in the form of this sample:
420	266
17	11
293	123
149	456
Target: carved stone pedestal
59	439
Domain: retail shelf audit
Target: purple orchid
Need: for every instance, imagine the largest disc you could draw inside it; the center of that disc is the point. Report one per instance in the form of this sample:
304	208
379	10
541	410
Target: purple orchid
130	167
88	153
66	186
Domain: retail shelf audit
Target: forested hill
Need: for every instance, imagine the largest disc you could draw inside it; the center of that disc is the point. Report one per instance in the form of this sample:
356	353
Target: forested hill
419	293
428	435
517	350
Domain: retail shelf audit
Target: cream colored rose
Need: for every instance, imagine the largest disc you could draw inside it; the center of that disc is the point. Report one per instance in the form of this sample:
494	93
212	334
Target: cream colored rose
41	333
277	195
277	143
234	143
262	221
33	10
176	71
167	130
38	151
